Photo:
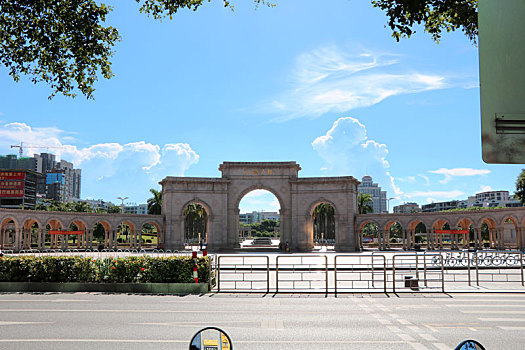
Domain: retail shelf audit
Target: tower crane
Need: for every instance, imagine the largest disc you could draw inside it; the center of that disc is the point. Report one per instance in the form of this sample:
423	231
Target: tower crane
21	147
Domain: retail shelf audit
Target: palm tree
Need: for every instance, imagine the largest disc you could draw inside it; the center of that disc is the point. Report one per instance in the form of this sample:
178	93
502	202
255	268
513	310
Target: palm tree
155	203
195	217
363	203
324	221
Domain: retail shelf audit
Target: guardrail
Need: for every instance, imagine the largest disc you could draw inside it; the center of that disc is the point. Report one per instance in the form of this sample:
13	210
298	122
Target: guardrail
242	271
350	274
412	267
300	275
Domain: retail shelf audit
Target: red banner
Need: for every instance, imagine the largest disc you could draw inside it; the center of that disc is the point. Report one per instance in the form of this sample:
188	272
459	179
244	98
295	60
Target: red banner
4	185
452	232
11	193
66	232
12	175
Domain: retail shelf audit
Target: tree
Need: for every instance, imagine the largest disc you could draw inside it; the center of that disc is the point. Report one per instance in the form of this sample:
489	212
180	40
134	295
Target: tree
363	203
436	16
195	220
114	209
65	44
155	203
520	187
324	222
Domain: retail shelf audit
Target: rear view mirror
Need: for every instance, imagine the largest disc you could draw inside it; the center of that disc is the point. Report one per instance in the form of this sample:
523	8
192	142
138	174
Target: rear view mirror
211	338
470	345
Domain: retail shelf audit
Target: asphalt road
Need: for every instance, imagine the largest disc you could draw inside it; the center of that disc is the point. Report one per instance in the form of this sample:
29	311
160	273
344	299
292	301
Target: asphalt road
361	321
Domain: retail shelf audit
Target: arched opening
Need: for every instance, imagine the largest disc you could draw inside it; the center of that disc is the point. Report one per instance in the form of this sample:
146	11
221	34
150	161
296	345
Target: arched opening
394	232
77	240
417	235
466	240
8	233
259	220
196	223
489	234
55	241
510	233
442	239
126	236
149	236
323	217
369	235
100	235
30	234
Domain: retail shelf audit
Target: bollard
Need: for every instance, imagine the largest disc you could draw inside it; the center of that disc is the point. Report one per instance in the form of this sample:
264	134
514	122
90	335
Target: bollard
195	272
205	252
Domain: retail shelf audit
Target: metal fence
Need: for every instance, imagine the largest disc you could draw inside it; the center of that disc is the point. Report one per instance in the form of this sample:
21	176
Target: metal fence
243	273
359	272
98	254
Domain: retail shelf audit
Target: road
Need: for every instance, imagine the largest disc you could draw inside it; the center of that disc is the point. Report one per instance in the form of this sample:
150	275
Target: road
284	321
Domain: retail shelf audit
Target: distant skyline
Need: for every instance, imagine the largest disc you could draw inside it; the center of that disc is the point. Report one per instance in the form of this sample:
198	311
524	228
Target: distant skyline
326	86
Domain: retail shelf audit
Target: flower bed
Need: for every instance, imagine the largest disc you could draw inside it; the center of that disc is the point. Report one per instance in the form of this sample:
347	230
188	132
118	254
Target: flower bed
85	270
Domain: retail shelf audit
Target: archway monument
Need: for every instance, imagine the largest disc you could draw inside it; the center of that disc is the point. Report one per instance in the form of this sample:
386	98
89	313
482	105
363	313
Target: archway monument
297	197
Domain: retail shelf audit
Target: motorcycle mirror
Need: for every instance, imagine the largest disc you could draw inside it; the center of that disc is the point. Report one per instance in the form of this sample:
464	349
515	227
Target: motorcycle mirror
470	345
211	338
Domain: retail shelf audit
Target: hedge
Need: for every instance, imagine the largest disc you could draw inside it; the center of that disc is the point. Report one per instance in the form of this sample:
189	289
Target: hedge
143	269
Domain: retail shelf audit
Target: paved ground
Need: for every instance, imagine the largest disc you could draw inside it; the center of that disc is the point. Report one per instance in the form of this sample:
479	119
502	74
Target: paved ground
284	321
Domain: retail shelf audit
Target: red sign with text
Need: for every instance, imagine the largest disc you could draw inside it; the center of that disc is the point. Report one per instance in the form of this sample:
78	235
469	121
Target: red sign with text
4	185
11	193
12	175
452	232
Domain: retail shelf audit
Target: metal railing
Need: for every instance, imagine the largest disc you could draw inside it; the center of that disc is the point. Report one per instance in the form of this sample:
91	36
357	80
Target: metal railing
243	273
301	273
415	267
359	272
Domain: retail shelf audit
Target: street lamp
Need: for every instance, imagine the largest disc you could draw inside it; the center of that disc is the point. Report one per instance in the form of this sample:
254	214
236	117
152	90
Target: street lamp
122	205
388	204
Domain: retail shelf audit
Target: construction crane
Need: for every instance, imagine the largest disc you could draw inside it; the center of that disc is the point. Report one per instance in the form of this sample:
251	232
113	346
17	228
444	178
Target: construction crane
21	147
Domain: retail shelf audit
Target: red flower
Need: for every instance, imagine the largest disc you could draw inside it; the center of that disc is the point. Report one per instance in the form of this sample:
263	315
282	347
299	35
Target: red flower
142	269
113	268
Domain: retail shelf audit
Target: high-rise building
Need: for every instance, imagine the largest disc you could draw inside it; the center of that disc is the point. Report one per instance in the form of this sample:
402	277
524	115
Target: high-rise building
258	216
378	202
407	208
60	182
18	188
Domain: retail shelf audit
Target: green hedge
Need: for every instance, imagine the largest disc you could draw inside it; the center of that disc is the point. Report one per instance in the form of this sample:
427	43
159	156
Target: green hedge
143	269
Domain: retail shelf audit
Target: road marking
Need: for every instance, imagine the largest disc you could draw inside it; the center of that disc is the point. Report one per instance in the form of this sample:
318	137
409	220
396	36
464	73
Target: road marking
427	337
450	300
394	315
510	328
501	319
45	301
394	329
515	312
189	323
273	324
403	321
414	328
441	346
375	315
185	341
211	311
383	321
405	337
418	346
487	305
8	323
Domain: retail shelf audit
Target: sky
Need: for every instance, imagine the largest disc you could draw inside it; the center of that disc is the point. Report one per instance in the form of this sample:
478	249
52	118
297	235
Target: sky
326	86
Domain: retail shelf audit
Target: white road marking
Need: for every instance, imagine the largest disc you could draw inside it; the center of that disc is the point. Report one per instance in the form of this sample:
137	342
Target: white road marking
441	346
394	315
427	337
403	321
418	346
185	341
375	315
394	329
515	312
487	305
383	321
405	337
477	300
510	328
13	323
501	319
414	328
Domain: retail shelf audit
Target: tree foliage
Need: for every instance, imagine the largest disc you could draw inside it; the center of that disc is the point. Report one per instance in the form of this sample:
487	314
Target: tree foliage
324	222
436	16
195	223
155	202
65	44
363	203
520	187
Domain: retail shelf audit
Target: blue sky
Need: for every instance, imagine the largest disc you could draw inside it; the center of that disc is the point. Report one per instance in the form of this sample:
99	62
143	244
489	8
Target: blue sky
326	86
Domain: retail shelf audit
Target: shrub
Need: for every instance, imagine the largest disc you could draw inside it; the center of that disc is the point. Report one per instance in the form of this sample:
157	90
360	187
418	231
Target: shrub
143	269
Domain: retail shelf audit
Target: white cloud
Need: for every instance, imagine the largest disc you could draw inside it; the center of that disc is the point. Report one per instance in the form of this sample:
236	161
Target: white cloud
442	195
332	80
108	169
424	177
449	173
485	188
346	149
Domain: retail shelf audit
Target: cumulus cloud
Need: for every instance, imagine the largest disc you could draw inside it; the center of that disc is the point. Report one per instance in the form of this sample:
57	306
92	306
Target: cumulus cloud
346	149
330	79
111	169
449	173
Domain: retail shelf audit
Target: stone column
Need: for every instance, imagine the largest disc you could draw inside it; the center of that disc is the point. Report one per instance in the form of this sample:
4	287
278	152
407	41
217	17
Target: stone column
39	238
140	238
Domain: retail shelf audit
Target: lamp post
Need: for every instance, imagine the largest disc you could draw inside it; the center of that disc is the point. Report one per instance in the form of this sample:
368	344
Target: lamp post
122	205
388	204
